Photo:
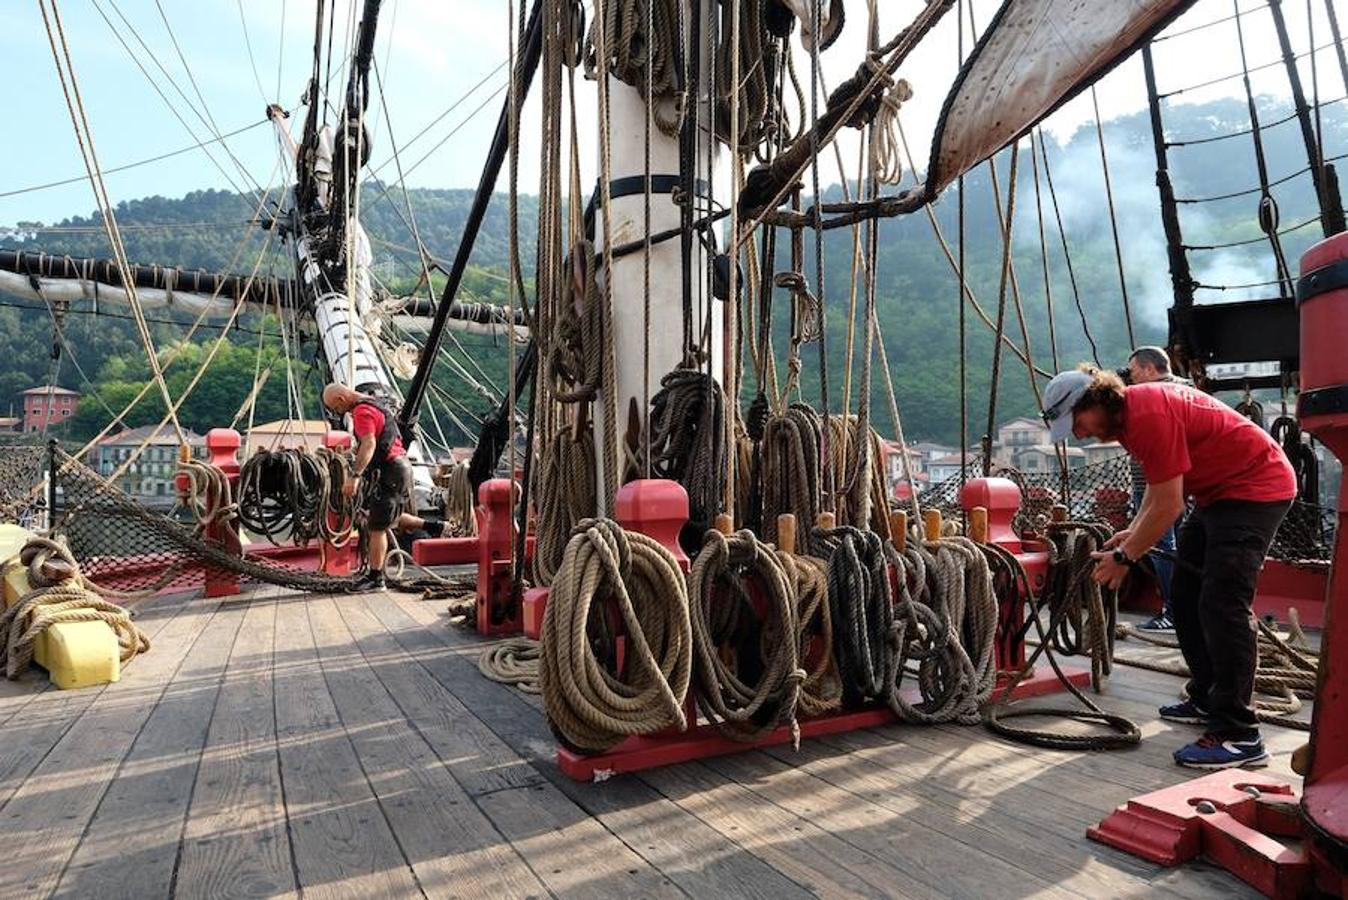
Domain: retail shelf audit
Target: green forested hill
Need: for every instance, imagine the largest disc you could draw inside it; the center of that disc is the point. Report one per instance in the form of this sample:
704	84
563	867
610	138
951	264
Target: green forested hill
916	289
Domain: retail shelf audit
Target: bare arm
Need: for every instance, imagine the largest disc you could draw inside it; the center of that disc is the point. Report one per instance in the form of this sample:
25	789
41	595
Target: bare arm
364	453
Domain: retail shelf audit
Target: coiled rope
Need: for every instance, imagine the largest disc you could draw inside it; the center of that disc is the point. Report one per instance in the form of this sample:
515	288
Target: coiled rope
460	501
760	688
565	495
281	494
865	635
1124	732
821	691
947	615
1086	627
60	593
514	661
790	467
607	575
210	496
689	440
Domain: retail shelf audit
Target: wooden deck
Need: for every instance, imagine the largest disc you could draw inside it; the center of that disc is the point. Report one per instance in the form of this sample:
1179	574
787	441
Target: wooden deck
275	745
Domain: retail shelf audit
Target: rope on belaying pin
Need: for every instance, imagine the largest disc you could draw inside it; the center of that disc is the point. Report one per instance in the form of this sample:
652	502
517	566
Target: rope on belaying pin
947	617
565	494
610	576
1086	627
862	498
460	500
689	439
336	518
281	494
59	593
821	691
865	633
1123	732
759	689
210	496
790	473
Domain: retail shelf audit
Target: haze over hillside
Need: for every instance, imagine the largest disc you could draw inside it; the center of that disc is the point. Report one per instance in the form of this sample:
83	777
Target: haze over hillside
916	288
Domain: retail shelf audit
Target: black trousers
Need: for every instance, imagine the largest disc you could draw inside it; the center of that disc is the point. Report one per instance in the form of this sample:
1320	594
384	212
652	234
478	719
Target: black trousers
1221	550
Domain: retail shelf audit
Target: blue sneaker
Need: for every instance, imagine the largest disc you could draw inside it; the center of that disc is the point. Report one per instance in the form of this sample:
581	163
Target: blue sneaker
1212	751
1188	712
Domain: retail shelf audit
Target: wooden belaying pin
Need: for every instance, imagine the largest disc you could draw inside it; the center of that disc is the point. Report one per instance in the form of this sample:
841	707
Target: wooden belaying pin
978	524
786	533
724	523
931	523
898	530
1058	513
827	521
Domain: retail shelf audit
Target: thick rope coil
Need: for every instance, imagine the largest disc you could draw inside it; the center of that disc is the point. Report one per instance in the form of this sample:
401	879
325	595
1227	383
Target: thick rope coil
865	634
1124	732
283	493
933	617
210	496
460	501
790	467
337	513
821	691
761	688
60	593
513	661
608	575
564	495
632	52
1086	627
863	496
689	439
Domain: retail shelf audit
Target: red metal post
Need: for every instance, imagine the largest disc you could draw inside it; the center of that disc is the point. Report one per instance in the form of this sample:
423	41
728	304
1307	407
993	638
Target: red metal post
222	452
336	560
496	613
1322	407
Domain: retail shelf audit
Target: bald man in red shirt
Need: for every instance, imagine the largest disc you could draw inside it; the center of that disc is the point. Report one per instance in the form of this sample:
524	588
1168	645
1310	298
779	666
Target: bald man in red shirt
1191	445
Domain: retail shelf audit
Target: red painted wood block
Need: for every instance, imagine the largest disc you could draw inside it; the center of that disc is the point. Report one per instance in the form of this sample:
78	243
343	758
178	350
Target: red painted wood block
1227	817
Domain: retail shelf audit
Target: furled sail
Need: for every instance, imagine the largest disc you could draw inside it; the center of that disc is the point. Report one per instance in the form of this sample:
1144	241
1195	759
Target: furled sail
1034	56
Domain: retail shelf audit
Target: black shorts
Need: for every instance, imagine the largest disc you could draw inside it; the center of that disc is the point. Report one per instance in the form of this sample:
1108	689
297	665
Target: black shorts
389	492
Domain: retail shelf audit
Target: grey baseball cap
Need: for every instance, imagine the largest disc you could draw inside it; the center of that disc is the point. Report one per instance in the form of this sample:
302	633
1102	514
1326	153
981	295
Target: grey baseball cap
1061	394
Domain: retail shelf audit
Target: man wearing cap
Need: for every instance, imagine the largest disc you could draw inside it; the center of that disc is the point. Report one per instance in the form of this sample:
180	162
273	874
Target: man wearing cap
1192	445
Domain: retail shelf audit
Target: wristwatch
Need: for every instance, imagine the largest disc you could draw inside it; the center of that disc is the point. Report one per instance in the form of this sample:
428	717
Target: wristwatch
1122	558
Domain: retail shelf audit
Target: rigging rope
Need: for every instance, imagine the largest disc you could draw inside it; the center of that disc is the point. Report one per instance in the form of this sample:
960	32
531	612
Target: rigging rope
689	440
609	576
761	688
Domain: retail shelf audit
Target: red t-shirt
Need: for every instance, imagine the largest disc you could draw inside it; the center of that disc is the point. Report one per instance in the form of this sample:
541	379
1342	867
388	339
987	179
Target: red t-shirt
367	419
1176	430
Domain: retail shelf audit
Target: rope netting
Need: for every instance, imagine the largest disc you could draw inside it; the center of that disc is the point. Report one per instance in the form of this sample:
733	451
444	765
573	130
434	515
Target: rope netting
21	496
1102	492
121	545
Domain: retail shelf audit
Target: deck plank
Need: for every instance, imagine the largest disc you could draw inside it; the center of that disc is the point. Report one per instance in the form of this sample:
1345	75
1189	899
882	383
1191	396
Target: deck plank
818	859
452	846
131	844
342	843
552	823
236	842
36	726
45	818
690	853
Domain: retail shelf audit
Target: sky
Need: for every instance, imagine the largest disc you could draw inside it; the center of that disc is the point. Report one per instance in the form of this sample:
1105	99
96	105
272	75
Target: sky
239	55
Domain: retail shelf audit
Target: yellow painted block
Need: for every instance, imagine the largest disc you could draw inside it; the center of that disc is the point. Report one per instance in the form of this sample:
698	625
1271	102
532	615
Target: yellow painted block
78	654
15	577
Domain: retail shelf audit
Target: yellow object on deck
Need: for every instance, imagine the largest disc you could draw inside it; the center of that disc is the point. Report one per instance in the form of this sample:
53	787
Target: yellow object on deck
12	539
78	654
53	617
